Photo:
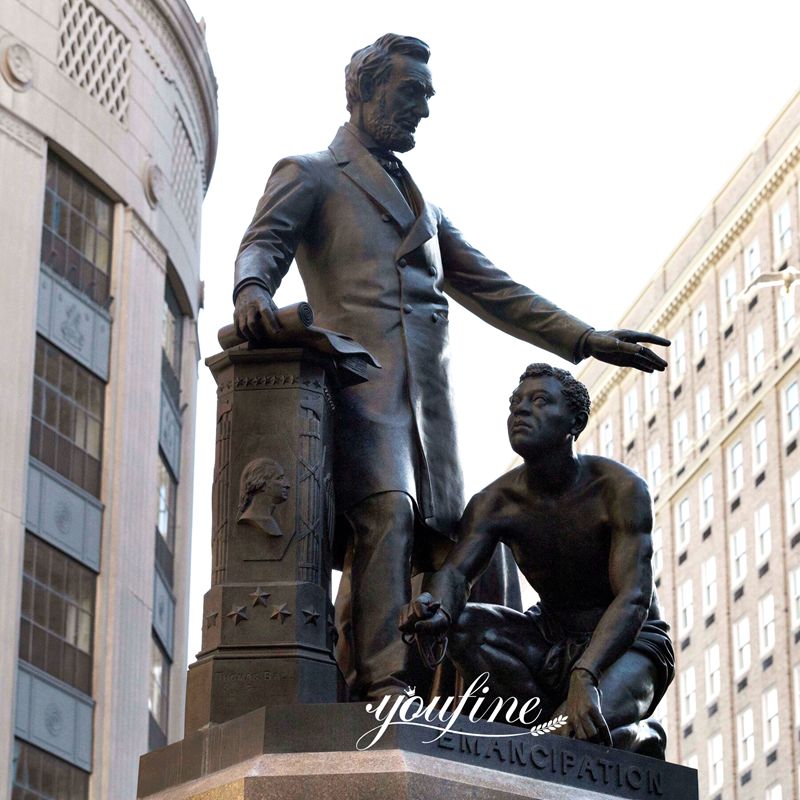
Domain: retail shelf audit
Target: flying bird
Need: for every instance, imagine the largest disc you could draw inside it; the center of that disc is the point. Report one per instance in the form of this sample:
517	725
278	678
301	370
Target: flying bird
786	277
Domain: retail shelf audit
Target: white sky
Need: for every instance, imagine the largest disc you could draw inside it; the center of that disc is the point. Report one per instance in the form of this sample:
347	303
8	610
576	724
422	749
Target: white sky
573	142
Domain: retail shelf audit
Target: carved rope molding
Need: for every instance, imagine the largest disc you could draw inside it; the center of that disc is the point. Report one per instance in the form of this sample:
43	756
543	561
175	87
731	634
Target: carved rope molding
22	133
707	257
143	235
158	25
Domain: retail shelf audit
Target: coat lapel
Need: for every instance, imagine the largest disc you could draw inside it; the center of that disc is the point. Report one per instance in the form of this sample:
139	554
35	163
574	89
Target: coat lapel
425	225
357	163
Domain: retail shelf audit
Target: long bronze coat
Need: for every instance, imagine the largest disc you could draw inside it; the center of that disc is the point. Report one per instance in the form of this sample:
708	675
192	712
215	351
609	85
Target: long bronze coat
375	272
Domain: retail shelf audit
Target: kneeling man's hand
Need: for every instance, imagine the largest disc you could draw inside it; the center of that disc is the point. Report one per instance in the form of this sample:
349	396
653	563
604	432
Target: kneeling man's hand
582	707
424	617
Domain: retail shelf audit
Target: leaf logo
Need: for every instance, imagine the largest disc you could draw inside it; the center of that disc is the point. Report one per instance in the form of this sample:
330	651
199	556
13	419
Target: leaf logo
549	727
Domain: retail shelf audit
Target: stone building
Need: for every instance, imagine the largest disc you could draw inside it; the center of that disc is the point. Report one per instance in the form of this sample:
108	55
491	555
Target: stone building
108	134
716	437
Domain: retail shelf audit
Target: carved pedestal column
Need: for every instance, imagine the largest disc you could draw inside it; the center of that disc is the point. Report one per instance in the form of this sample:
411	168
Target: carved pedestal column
267	629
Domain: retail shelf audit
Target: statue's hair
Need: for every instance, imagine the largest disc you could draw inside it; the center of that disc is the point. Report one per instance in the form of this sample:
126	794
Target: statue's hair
576	393
255	477
375	62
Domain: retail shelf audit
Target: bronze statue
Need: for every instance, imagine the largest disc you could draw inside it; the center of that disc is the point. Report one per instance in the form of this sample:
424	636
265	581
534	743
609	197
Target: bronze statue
595	646
376	260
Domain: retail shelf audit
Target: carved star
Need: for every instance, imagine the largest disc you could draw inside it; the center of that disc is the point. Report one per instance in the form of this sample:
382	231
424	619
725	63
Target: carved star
280	612
238	614
259	597
311	616
211	619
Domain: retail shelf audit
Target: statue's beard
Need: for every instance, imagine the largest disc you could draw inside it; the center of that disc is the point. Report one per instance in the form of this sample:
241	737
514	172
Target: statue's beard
387	133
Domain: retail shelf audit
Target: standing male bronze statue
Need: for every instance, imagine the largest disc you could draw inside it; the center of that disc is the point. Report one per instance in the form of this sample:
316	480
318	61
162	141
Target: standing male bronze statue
595	646
376	260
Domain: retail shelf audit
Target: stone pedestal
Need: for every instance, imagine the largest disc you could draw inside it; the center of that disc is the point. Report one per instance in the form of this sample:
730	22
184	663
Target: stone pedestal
302	752
267	629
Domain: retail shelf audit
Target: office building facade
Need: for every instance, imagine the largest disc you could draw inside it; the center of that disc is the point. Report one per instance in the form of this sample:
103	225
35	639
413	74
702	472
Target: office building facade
108	131
716	437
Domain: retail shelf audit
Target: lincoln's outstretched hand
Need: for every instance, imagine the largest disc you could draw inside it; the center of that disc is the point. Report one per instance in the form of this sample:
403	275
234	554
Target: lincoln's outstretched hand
255	314
623	349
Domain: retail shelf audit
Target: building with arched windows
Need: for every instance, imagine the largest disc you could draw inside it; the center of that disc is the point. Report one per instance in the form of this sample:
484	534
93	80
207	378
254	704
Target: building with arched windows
108	134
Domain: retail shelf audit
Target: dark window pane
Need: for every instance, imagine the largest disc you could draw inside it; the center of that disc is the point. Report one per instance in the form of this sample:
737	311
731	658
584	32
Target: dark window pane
56	635
77	231
66	430
41	776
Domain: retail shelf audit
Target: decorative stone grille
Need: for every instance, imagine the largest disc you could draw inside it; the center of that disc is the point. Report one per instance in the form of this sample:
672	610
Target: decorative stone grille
94	54
185	174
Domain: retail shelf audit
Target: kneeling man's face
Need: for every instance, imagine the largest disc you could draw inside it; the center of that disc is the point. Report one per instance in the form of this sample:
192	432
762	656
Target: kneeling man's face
540	418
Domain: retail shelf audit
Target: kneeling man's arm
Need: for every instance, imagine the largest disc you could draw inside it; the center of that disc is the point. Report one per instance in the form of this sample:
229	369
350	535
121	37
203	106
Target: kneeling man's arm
445	593
630	574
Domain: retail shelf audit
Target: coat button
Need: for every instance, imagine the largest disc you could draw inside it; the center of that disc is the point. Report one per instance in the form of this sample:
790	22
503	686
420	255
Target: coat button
402	263
407	308
431	270
386	218
434	318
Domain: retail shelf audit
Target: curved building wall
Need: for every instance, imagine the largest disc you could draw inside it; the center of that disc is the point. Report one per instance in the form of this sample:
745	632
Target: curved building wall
108	132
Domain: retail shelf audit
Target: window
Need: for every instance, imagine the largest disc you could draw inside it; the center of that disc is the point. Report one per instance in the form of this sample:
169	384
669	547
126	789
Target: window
745	734
707	498
771	724
787	320
680	431
688	695
728	293
752	261
691	761
587	448
708	574
782	228
715	763
796	682
651	380
172	334
793	496
165	520
759	443
738	556
733	382
763	531
679	355
631	413
756	357
66	429
685	607
76	232
40	776
158	701
658	552
607	439
713	675
766	623
774	792
57	611
741	645
791	403
794	596
703	411
735	469
700	328
654	465
684	528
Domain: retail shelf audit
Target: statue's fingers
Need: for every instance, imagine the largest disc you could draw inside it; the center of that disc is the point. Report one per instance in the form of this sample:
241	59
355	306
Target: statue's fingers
656	362
648	338
589	729
253	328
601	726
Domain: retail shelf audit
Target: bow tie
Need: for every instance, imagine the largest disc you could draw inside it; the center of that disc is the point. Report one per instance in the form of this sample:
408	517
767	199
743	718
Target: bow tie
389	162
